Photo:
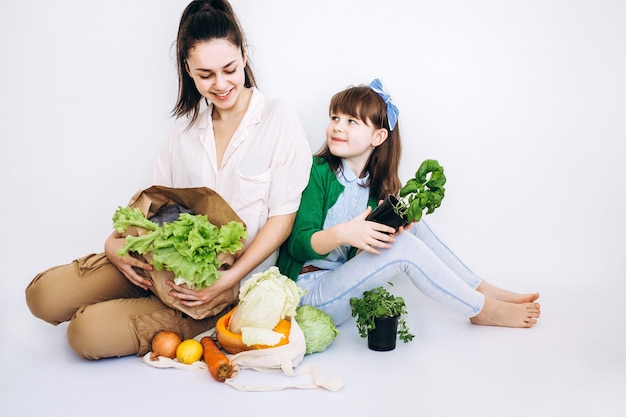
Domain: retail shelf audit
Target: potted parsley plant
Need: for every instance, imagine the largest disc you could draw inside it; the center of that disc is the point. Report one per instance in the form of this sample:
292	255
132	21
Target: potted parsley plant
381	317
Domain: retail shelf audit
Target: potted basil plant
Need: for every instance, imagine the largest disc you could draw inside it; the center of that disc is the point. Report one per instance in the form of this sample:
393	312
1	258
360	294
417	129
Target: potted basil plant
424	191
381	317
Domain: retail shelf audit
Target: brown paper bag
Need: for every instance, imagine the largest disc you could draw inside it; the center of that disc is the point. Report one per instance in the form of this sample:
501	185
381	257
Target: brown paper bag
201	200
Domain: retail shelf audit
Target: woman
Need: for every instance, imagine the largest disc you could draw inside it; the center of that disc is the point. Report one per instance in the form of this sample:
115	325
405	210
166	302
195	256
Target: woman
230	138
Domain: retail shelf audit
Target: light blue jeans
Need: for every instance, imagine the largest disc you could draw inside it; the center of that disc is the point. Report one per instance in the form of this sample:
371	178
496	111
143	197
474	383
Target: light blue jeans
417	254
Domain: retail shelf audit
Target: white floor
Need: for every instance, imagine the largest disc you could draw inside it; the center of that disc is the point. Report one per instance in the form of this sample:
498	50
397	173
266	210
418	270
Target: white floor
573	363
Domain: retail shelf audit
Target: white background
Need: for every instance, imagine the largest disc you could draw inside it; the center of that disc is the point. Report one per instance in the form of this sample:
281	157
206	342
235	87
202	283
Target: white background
523	102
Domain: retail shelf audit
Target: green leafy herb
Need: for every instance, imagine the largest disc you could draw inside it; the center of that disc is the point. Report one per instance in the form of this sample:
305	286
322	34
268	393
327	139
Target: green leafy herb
379	303
424	191
189	246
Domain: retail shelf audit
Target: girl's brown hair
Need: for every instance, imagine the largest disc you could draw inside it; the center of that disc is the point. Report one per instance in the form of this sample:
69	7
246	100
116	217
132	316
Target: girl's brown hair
204	20
383	165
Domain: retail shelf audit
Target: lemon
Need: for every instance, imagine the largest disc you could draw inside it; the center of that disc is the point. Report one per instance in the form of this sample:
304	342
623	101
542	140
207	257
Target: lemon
189	351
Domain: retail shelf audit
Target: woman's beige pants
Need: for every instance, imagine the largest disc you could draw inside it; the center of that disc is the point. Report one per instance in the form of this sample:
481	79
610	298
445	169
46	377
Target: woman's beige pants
108	315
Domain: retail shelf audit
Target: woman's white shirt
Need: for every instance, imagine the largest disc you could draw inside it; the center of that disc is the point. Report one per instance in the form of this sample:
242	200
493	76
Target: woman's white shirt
265	167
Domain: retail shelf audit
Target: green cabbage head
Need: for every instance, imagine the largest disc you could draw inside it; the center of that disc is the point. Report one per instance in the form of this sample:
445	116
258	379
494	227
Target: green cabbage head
318	328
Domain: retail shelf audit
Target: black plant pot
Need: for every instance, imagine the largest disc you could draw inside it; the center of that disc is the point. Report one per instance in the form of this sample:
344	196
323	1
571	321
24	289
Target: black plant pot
386	213
383	337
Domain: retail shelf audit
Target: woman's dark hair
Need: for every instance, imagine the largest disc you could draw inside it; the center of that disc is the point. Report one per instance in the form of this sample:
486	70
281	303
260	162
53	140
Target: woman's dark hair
204	20
365	104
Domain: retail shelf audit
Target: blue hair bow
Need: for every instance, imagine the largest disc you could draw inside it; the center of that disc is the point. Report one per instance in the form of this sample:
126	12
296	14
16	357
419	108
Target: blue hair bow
392	110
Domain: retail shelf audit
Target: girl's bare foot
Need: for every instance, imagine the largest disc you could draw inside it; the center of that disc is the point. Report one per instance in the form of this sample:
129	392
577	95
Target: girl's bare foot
491	291
504	314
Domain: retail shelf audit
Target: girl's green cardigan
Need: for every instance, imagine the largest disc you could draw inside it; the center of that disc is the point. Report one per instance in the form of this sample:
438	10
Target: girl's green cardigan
318	197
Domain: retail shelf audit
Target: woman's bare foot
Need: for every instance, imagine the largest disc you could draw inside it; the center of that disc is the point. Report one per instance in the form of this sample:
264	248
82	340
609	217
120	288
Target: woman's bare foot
504	314
491	291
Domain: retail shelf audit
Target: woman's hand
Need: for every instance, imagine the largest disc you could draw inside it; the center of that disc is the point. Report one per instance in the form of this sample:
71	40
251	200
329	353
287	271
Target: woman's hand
128	265
194	298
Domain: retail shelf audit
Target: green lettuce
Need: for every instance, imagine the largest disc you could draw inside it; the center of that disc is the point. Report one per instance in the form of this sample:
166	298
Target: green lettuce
188	247
125	217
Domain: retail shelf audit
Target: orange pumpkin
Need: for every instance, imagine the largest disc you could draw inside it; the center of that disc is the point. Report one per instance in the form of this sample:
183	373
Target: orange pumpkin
233	343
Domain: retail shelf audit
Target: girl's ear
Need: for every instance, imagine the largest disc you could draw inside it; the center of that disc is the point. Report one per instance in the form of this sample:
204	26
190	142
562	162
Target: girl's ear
187	68
380	135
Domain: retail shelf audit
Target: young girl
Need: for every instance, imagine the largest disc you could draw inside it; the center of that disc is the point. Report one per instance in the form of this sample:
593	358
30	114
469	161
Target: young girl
231	138
335	253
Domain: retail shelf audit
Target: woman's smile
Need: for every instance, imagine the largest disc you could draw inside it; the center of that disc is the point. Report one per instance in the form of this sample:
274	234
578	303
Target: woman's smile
223	96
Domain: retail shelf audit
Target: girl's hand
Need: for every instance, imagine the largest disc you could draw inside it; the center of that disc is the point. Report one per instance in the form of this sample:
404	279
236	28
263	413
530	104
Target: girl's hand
127	265
193	298
367	235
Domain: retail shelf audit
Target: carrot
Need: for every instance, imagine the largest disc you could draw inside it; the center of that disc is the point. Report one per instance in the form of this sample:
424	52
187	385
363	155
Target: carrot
219	365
